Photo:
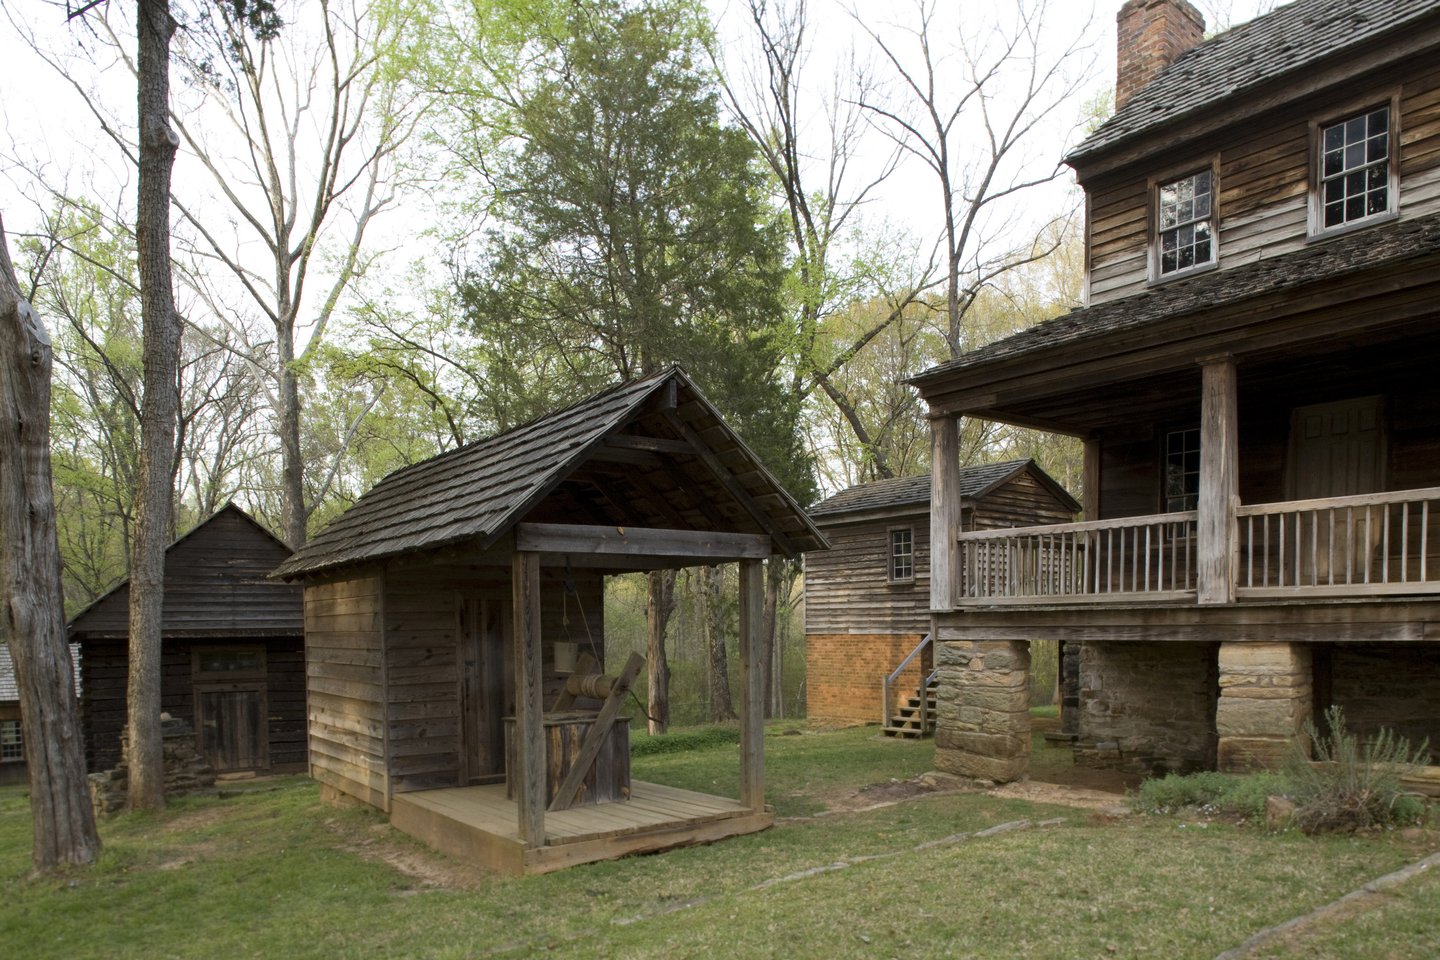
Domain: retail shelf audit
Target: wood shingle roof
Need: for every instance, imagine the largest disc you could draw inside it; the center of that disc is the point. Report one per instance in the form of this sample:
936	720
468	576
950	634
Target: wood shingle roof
476	493
1293	39
975	482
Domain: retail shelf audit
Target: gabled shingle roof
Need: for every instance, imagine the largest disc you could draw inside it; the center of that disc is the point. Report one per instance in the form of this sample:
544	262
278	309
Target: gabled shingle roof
477	492
975	482
1295	37
10	686
1350	254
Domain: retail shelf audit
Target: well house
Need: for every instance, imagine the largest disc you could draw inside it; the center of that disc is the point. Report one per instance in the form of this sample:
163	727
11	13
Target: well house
444	609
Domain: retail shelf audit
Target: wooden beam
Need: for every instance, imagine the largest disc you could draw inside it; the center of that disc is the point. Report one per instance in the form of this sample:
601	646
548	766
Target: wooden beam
631	441
708	545
752	694
529	770
944	513
1090	504
600	732
1215	540
727	479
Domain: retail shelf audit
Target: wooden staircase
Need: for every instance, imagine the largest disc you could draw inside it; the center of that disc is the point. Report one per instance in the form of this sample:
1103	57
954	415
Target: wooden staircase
908	721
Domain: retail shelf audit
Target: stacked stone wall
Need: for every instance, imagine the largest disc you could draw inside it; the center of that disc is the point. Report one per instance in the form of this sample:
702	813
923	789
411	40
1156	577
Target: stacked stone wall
1392	685
1147	707
186	770
1266	695
982	727
843	672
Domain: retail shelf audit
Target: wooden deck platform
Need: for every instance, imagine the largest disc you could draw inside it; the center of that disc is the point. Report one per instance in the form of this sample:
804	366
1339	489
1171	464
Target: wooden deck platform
481	825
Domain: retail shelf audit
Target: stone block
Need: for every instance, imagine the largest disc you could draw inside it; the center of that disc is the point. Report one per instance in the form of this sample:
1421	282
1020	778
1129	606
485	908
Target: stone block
976	767
1243	754
1246	717
955	654
995	745
1008	699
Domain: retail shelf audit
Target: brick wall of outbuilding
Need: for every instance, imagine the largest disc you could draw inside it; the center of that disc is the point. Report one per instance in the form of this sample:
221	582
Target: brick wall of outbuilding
843	672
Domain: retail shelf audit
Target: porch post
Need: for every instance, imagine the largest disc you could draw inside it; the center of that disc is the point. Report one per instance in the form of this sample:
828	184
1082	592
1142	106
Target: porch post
944	512
1090	502
528	775
752	695
1266	695
1219	482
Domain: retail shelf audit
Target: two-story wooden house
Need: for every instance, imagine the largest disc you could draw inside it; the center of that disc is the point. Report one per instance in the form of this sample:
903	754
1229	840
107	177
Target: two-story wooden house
1252	377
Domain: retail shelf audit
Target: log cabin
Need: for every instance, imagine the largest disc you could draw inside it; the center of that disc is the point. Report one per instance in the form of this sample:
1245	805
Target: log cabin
1252	378
232	652
868	656
443	611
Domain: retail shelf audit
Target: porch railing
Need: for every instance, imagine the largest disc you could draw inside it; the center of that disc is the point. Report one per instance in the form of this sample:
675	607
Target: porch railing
887	687
1374	543
1151	557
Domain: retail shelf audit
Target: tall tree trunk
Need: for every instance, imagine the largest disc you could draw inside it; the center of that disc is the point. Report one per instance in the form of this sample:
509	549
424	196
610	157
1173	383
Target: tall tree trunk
154	500
32	604
659	604
292	465
769	682
722	708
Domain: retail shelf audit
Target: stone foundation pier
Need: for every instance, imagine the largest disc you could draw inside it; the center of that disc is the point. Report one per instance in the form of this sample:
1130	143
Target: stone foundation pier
982	727
1266	695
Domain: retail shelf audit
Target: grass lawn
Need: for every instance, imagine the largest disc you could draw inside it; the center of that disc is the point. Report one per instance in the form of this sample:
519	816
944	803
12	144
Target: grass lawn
274	873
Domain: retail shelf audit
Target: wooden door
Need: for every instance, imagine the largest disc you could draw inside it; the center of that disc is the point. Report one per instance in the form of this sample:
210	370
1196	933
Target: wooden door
232	725
1337	450
482	690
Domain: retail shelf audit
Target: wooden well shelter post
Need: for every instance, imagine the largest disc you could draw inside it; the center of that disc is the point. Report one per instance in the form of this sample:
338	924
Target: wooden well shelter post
752	693
529	772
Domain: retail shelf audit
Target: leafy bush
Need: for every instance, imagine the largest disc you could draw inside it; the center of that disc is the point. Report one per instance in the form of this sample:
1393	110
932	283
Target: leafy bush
1350	784
703	738
1213	792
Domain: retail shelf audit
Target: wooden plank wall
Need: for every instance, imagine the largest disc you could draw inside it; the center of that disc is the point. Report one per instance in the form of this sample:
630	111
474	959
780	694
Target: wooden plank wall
102	703
343	644
847	588
215	583
1263	188
1020	502
422	611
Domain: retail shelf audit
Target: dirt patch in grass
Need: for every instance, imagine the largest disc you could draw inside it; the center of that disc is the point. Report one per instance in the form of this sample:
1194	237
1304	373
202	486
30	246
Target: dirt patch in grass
427	869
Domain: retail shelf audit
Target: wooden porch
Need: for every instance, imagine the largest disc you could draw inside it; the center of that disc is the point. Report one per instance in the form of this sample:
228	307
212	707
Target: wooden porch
481	825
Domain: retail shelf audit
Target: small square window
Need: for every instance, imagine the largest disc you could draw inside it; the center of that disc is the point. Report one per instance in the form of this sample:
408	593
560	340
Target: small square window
1355	182
902	554
1184	223
12	747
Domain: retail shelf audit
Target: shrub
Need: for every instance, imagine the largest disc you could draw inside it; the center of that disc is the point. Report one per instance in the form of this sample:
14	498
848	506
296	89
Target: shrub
1349	784
1223	793
700	739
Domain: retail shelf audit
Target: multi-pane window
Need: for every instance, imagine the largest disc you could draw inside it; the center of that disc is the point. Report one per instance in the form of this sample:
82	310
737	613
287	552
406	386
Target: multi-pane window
902	554
1186	234
1182	470
12	748
1355	168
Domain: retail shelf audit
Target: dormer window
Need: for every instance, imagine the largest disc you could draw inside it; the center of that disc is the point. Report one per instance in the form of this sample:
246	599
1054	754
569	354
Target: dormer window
1356	180
1184	224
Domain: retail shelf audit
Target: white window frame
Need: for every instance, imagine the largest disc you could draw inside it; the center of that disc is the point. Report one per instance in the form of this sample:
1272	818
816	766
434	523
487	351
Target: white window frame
1158	230
1318	178
12	742
891	555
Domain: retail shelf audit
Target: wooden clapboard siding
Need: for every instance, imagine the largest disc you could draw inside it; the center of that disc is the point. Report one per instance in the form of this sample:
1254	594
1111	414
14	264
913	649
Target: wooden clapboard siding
1263	185
344	652
847	588
422	656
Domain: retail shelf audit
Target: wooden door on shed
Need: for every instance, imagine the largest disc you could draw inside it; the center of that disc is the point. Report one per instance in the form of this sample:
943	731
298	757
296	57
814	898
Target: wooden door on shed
231	721
231	708
1337	450
483	629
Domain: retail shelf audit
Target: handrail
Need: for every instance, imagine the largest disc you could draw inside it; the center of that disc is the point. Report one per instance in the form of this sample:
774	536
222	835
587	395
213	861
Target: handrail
889	682
1085	526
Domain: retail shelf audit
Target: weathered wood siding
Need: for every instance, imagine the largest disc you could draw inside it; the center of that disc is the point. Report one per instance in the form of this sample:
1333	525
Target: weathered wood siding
215	585
346	684
1262	188
848	590
104	665
1131	458
1022	501
422	630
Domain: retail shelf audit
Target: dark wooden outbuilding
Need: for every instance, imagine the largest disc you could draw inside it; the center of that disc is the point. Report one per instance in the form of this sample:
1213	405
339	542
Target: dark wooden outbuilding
867	598
436	606
233	651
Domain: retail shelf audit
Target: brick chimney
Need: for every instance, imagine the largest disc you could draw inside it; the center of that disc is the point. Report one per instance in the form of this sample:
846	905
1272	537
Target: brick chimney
1152	34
